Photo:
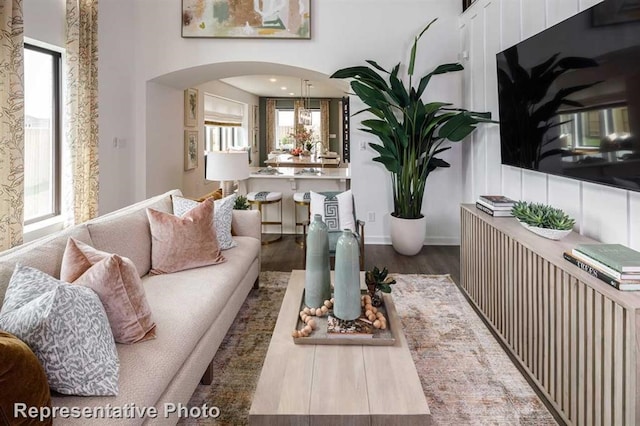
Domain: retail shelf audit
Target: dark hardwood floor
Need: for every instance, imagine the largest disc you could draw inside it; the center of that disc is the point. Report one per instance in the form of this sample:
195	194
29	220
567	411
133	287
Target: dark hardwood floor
286	255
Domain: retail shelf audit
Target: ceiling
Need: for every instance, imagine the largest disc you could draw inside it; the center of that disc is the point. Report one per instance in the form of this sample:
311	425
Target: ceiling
272	86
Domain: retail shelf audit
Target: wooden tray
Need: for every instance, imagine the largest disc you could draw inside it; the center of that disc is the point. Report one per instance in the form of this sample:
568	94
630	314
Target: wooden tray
319	336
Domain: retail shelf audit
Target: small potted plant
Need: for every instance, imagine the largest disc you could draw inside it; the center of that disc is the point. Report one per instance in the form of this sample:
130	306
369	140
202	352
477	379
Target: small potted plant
543	220
241	203
378	281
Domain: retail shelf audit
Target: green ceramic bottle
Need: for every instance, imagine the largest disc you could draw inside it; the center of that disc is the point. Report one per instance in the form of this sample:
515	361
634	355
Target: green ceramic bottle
346	291
317	285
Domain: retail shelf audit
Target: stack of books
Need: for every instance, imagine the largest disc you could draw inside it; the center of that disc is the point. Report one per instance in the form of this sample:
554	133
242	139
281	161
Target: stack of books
495	205
615	264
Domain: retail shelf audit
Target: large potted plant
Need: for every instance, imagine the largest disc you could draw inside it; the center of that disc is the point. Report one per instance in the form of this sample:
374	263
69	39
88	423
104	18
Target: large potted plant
411	135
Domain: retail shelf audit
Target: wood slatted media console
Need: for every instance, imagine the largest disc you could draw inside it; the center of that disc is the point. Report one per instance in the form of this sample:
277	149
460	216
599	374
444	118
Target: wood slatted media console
574	335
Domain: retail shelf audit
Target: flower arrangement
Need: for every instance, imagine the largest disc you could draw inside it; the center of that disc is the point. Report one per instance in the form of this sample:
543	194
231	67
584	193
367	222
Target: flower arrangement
303	138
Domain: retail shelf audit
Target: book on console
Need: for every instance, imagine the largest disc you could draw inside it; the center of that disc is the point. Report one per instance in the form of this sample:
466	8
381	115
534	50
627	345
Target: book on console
615	256
623	285
500	207
604	268
358	328
492	212
497	200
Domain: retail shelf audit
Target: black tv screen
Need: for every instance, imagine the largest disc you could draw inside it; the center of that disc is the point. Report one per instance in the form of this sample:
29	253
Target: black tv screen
569	97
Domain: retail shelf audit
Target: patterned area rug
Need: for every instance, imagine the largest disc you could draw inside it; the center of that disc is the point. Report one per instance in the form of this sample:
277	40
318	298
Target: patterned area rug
466	376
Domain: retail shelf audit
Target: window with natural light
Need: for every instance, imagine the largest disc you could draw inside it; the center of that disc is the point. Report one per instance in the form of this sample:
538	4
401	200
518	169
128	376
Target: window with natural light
285	128
41	133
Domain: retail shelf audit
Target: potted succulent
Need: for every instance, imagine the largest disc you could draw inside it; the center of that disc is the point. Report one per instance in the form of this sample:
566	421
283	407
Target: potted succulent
378	281
412	134
543	220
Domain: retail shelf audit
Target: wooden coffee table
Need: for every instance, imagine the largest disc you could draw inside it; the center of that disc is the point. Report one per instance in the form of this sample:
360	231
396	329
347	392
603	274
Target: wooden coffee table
336	384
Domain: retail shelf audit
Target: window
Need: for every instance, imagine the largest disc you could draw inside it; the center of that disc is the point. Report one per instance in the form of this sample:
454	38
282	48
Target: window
41	133
285	128
222	138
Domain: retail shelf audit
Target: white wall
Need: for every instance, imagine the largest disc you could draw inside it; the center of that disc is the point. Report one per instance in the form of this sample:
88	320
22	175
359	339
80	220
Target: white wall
165	137
45	21
343	34
489	26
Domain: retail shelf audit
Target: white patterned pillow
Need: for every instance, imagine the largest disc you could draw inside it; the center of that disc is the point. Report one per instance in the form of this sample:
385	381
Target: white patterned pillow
222	211
67	328
336	211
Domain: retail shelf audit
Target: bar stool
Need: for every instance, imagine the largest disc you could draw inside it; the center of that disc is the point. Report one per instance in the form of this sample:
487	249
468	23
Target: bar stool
266	197
301	199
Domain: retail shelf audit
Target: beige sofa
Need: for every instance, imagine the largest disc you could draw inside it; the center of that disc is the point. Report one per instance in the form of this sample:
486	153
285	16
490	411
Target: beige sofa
193	309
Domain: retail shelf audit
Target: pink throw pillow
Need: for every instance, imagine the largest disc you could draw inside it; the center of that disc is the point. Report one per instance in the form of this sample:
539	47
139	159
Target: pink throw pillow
116	281
179	243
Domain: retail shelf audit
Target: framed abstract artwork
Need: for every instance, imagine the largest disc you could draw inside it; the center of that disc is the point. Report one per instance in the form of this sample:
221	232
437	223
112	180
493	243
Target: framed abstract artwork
190	149
190	107
290	19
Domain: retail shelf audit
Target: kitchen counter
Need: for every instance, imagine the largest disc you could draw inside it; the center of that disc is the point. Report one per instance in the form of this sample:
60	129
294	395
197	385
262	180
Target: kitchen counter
288	160
289	180
300	173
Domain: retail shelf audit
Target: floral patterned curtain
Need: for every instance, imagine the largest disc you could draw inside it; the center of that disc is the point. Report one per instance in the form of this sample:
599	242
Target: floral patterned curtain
11	123
80	180
271	125
324	123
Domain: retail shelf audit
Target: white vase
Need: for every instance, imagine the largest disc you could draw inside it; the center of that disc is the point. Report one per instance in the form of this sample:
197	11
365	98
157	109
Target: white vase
407	235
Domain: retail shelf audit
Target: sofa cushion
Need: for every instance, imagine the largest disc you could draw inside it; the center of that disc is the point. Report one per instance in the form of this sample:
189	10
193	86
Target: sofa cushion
118	285
126	232
180	243
223	209
67	328
22	381
44	254
186	305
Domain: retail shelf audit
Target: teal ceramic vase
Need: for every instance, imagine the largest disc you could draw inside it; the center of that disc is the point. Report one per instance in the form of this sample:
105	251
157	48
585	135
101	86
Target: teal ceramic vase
317	285
346	291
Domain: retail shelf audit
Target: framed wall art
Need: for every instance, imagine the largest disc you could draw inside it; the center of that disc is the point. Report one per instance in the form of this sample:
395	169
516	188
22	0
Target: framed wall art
190	149
190	107
289	19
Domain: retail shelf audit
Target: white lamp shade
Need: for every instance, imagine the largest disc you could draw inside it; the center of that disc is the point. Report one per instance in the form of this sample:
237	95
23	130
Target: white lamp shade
227	165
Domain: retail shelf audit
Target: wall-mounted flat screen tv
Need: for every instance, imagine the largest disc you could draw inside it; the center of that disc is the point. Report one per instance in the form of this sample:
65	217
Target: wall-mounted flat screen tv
569	97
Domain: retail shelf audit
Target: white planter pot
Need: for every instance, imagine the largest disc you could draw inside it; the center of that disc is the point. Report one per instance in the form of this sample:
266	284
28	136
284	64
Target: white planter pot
407	235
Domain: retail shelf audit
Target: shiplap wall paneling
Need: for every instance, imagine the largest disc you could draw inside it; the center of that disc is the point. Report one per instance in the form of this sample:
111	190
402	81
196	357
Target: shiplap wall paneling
511	30
477	66
534	186
533	16
491	15
558	11
585	4
565	194
512	182
605	213
634	222
467	83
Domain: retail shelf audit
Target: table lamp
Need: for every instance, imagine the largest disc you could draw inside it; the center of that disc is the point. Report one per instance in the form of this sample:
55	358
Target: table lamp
227	167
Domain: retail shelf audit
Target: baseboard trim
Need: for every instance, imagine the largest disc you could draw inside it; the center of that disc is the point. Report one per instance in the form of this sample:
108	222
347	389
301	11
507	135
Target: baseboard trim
429	241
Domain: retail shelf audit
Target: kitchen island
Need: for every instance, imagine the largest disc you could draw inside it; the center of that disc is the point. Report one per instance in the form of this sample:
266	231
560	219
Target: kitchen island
289	180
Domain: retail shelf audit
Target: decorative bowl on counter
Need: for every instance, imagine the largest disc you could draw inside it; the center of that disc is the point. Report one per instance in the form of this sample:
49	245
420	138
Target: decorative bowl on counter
552	234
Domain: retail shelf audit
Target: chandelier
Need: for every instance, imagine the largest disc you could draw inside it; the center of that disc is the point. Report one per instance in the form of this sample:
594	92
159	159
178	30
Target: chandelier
304	112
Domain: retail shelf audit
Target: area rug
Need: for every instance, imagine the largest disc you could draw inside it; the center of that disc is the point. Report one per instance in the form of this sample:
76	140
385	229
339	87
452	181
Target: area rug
466	376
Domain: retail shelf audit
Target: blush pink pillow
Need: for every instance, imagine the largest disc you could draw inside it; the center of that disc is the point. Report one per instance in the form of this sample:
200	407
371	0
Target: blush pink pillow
118	285
179	243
